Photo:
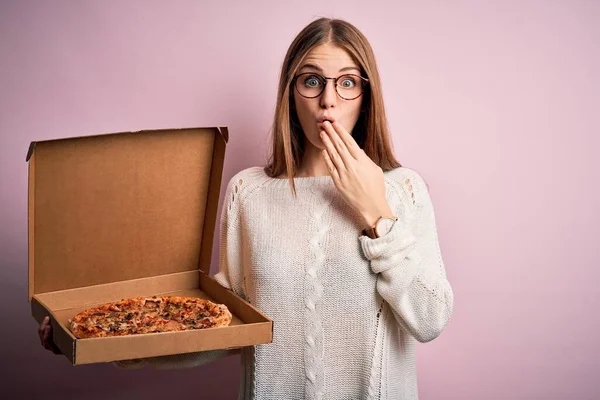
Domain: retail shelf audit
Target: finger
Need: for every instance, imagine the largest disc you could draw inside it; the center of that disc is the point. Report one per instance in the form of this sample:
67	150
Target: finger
332	170
351	145
46	335
46	342
41	329
333	154
340	146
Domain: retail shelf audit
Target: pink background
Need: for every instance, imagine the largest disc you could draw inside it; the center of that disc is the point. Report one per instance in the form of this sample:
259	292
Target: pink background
494	103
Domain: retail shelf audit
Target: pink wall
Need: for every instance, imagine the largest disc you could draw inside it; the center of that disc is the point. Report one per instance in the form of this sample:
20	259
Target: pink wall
494	103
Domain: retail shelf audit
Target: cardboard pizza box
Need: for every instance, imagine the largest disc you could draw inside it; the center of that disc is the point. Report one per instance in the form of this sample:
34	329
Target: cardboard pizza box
123	215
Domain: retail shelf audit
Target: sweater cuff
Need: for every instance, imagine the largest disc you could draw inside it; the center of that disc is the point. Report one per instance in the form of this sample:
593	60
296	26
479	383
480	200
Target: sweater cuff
397	243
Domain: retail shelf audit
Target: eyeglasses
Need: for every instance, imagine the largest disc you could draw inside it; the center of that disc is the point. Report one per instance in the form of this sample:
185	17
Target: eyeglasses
348	87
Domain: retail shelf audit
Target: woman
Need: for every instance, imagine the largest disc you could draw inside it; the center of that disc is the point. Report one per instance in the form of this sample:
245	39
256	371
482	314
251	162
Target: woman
333	239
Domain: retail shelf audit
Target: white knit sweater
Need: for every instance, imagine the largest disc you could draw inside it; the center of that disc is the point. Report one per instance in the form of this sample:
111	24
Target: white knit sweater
347	310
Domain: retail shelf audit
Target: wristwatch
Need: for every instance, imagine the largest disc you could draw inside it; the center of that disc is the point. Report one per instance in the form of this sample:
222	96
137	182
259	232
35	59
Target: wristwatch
382	226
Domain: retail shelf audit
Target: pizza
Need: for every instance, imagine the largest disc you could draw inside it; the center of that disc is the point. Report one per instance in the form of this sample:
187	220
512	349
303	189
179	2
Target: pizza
154	314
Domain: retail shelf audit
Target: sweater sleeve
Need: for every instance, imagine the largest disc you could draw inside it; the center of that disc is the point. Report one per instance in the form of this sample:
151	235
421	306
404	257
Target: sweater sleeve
412	277
230	273
229	276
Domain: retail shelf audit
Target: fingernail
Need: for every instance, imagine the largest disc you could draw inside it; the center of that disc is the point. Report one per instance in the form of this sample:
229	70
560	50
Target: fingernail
46	318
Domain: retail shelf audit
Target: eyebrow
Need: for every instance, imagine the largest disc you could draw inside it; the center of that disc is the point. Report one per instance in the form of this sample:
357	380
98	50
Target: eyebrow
313	66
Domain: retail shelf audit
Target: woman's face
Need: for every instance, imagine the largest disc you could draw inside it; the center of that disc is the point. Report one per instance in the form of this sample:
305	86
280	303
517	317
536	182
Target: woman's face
330	61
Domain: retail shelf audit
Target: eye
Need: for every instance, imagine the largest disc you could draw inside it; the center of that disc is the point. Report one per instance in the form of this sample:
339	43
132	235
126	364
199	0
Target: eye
347	82
312	81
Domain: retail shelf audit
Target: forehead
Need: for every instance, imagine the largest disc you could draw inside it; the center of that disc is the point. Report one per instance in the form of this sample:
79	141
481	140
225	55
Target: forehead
330	58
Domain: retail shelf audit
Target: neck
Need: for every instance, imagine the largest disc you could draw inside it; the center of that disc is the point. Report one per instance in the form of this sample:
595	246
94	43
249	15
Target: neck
313	163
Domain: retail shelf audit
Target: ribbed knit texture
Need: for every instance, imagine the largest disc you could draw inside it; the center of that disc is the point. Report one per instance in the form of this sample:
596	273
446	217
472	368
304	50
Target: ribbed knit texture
347	310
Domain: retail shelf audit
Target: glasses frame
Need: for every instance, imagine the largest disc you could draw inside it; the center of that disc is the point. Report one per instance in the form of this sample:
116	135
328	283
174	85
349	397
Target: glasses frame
324	80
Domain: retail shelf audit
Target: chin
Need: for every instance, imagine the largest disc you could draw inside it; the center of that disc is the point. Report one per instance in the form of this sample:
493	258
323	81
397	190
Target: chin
318	145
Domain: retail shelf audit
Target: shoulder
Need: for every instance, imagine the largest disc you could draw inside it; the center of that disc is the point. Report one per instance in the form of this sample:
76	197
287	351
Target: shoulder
247	181
248	176
405	176
408	183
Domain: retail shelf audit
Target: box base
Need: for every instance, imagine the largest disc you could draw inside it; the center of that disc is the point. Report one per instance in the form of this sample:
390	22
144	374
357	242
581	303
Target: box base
248	326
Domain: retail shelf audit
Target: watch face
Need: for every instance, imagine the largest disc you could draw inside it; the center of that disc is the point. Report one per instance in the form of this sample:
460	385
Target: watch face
384	226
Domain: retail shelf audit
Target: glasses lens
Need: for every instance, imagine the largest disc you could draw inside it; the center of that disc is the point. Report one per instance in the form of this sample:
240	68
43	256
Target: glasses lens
349	86
309	85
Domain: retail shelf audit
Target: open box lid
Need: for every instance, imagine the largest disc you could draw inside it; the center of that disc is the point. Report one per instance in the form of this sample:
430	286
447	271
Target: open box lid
122	206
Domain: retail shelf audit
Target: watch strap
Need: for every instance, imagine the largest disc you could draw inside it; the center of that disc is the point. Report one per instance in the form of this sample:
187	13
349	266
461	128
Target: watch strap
372	231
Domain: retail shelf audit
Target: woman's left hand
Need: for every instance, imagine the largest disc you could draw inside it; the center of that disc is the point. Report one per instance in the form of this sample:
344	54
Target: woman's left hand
358	179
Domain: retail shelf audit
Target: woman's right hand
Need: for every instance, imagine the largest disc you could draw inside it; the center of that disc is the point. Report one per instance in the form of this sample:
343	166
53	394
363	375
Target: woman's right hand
45	332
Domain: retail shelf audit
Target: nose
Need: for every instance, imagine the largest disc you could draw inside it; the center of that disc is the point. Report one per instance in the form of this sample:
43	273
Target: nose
329	96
